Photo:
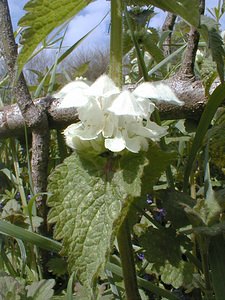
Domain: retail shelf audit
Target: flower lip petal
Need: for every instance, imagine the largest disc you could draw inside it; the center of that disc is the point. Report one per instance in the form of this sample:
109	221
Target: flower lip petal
115	144
158	91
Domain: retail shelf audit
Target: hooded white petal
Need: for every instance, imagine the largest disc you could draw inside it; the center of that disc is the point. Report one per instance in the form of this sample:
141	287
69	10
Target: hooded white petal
103	87
73	94
127	104
158	91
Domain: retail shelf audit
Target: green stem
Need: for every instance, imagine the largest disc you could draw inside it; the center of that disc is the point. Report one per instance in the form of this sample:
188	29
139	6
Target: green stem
155	114
203	246
116	42
127	261
140	56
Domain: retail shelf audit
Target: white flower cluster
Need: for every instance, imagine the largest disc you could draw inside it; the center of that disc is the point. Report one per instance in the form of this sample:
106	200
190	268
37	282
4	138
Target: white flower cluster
113	119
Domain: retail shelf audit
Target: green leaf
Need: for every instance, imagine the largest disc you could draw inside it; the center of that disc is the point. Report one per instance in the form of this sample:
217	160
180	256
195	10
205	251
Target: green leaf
188	10
10	288
214	102
142	283
174	202
41	18
40	290
152	47
223	7
215	43
178	275
163	249
161	245
89	202
213	230
158	162
217	262
57	266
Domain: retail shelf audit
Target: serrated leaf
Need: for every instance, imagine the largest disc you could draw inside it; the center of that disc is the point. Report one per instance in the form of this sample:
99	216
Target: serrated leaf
40	290
162	245
41	18
57	266
89	201
173	202
213	103
177	276
158	161
10	288
163	249
152	48
188	10
215	43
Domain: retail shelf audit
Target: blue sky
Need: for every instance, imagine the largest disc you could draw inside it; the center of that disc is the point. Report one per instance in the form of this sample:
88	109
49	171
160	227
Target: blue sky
88	18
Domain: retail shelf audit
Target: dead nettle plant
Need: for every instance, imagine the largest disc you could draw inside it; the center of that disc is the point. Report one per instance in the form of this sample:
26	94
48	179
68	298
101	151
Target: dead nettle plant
120	151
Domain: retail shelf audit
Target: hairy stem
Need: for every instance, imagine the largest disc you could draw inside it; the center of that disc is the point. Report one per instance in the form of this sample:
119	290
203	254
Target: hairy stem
127	261
116	42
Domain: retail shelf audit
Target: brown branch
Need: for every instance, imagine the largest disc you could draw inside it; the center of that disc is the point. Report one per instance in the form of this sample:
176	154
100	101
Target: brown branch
168	26
191	93
33	116
186	71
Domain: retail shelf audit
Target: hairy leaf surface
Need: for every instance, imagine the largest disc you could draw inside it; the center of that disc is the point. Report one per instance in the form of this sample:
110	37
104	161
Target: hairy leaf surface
40	290
215	43
90	200
10	288
41	18
163	249
188	10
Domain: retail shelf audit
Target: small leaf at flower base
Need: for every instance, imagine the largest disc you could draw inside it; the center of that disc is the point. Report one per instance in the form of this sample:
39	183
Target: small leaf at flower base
89	201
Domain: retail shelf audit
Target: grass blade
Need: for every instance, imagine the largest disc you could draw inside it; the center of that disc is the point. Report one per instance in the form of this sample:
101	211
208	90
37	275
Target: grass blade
28	236
214	102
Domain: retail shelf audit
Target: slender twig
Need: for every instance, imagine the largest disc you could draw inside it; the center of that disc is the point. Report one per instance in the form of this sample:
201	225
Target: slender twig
168	26
33	116
186	71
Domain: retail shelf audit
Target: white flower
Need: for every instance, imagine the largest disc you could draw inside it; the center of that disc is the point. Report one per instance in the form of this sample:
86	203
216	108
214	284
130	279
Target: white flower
157	91
199	56
113	119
